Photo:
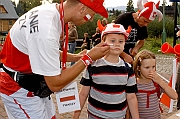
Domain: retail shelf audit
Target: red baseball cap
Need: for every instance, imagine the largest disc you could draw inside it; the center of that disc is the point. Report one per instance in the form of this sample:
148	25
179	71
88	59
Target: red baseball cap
96	5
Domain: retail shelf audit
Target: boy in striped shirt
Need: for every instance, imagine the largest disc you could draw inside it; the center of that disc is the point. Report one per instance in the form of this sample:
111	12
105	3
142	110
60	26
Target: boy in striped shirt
109	82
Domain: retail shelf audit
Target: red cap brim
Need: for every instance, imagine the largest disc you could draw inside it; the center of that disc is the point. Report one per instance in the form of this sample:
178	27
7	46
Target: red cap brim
96	6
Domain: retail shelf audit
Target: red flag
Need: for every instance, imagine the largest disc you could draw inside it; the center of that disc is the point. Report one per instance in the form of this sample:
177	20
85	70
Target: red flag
165	99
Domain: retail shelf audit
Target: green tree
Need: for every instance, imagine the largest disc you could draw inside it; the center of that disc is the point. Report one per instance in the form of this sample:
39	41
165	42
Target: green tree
25	5
56	1
117	12
89	27
130	6
29	4
155	28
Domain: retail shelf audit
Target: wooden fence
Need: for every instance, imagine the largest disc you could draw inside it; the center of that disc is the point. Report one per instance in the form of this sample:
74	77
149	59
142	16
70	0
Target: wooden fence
79	42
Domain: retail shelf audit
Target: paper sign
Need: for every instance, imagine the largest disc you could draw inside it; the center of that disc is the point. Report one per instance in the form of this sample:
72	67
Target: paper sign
68	98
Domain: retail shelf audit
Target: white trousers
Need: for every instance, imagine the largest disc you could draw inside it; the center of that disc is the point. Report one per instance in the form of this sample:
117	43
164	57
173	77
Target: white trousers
20	106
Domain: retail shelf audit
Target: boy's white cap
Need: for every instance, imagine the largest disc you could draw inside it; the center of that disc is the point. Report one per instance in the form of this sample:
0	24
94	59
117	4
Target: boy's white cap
115	29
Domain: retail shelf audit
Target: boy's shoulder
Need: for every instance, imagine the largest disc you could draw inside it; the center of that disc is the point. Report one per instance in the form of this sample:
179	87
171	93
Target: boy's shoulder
127	64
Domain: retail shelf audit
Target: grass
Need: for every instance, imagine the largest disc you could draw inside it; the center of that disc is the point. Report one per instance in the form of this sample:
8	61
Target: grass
77	51
154	44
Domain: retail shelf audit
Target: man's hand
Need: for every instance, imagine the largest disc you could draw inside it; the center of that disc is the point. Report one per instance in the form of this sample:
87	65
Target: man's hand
82	53
97	39
74	57
134	51
99	51
126	57
138	46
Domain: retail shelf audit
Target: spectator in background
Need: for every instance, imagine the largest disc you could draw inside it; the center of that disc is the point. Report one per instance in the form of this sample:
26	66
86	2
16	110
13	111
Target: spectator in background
96	38
72	35
138	22
86	42
104	22
178	33
1	45
178	78
113	21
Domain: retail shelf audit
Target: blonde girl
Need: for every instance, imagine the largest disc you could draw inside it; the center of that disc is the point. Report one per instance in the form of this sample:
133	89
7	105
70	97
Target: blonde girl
150	85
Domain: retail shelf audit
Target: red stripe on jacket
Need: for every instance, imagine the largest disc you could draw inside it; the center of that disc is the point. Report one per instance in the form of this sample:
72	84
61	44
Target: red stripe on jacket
7	85
13	58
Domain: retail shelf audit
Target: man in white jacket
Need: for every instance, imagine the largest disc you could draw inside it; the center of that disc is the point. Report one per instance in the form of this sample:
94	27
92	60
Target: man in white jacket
31	57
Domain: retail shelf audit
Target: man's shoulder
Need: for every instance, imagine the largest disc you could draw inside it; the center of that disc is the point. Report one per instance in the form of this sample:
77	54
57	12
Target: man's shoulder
125	19
126	14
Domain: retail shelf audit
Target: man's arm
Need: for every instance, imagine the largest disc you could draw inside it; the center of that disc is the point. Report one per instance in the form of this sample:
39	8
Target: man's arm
133	105
73	57
138	46
93	35
55	83
126	57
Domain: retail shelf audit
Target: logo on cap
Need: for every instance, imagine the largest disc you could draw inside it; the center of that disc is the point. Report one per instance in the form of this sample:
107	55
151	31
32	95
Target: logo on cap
112	28
149	10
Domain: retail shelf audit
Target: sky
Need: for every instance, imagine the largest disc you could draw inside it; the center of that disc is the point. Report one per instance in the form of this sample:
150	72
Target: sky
114	3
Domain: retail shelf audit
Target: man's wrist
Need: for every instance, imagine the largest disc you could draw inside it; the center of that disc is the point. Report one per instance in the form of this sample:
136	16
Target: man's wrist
86	59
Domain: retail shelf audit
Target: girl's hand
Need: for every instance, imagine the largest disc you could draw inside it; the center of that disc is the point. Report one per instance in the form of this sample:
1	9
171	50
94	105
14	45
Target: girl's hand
167	89
155	77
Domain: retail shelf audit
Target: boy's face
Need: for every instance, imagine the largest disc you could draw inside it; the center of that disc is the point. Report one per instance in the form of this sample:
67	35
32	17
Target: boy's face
116	42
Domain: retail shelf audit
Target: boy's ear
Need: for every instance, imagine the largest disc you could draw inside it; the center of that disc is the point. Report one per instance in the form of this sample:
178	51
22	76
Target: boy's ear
103	39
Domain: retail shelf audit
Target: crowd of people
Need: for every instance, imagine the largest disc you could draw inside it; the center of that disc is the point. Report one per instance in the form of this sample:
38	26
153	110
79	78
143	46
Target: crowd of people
119	81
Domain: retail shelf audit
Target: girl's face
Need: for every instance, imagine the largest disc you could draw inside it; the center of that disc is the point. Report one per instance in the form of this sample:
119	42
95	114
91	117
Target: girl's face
148	66
116	42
